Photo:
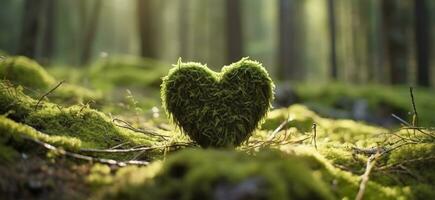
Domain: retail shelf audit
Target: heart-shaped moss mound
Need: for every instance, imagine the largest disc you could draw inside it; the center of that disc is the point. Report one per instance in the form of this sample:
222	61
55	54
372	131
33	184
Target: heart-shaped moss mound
217	109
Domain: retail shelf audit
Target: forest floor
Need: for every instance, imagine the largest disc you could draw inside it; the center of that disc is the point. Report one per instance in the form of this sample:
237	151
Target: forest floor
61	140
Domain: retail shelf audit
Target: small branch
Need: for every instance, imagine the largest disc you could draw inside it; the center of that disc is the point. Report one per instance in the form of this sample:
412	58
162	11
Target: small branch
371	161
279	128
87	158
401	120
315	135
111	150
47	93
389	166
415	115
127	125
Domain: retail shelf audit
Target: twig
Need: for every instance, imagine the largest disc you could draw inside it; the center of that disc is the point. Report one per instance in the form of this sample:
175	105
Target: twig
315	135
111	150
401	120
47	93
386	167
87	158
119	150
119	145
415	115
279	128
371	161
146	132
369	151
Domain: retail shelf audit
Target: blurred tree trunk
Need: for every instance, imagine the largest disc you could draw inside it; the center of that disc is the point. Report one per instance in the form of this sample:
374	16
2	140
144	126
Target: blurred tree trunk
49	34
375	48
234	31
183	32
90	31
147	37
395	25
30	28
332	34
290	50
422	40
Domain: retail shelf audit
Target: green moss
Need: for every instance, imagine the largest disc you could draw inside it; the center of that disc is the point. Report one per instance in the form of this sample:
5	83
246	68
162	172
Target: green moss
211	174
343	184
99	176
394	98
14	131
415	162
32	76
14	102
92	128
7	154
217	109
299	116
26	72
127	71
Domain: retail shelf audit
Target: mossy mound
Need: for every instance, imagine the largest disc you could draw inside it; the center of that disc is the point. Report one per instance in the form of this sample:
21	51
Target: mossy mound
212	174
344	184
91	128
335	131
217	109
382	101
127	71
26	72
36	80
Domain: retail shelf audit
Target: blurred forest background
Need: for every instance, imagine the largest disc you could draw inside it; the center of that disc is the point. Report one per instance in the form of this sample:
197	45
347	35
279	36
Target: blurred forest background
356	41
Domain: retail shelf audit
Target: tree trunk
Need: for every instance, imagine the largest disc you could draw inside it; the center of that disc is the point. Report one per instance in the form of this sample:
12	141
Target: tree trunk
49	34
147	37
394	24
234	31
90	32
422	41
183	31
290	50
30	28
332	34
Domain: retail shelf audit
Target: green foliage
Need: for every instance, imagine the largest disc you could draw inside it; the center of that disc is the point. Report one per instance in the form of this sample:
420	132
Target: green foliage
213	174
217	109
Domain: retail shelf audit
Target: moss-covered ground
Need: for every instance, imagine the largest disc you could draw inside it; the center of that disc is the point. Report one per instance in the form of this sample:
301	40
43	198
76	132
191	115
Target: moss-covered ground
94	144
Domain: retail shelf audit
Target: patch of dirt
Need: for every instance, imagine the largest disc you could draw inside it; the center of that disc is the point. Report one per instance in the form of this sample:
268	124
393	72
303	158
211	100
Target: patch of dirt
33	177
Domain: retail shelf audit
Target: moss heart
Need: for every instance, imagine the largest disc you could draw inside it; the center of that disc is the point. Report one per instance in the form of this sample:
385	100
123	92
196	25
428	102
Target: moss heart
217	109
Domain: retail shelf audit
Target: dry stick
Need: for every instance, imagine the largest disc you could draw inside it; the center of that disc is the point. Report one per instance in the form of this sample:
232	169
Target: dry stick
131	149
46	94
365	178
410	126
146	132
119	150
87	158
415	116
119	145
401	120
315	135
279	128
386	167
